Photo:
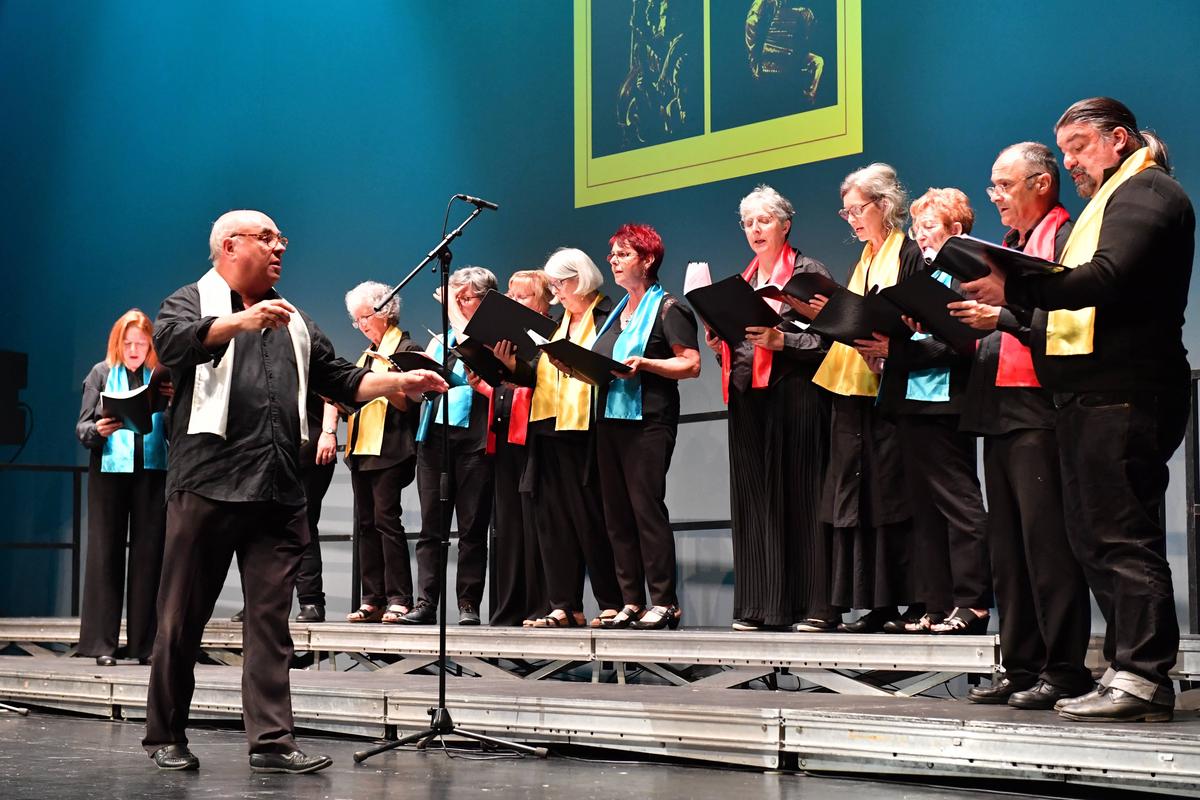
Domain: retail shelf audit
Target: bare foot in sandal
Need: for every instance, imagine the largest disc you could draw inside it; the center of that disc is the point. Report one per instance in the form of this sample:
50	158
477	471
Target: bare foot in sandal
393	614
365	613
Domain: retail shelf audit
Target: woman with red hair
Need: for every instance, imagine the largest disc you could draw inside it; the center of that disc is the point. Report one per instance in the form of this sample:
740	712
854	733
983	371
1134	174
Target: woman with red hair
637	414
126	480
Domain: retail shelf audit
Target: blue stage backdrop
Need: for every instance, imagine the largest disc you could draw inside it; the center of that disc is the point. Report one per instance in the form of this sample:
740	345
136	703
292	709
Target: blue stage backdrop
130	125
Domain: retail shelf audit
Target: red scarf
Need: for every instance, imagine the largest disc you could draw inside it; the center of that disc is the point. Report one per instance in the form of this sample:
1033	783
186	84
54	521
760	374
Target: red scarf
518	419
1016	362
761	372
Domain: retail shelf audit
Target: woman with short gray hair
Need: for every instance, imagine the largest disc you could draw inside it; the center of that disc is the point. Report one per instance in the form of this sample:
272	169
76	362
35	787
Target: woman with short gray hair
381	455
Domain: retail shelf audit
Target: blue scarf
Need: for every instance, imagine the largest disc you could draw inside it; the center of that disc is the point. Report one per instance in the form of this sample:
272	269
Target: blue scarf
625	394
460	397
117	455
931	385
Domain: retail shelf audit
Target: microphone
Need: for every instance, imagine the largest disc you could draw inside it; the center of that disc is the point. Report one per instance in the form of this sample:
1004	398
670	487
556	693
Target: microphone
477	202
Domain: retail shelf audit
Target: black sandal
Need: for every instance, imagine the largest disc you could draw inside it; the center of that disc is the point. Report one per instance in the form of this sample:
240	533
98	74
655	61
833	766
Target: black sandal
624	618
568	620
962	622
659	617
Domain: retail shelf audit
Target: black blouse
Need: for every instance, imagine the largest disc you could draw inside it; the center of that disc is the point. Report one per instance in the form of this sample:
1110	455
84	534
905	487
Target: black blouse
675	327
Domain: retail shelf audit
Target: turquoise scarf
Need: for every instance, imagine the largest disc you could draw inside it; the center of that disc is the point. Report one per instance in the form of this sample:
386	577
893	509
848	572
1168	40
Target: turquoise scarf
931	385
625	394
460	397
117	455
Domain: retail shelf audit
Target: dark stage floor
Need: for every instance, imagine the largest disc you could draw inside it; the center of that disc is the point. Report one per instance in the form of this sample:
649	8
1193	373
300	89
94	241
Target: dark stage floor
69	758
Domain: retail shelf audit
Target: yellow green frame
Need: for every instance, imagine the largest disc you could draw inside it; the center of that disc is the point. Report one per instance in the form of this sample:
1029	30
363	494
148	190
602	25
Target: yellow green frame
801	138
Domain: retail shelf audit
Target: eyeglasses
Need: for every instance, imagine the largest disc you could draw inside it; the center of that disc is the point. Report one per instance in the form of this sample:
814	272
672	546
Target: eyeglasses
266	237
360	322
622	255
762	219
856	211
1004	188
559	284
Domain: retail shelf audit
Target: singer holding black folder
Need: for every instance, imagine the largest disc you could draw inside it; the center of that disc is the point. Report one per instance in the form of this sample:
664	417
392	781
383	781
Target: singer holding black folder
559	472
922	388
518	577
637	416
863	499
778	439
381	453
126	501
1111	349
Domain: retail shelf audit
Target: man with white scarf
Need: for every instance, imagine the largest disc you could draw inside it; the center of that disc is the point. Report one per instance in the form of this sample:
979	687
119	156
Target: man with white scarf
242	359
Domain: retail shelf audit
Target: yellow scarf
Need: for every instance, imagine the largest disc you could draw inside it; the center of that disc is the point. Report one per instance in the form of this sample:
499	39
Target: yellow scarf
370	418
558	395
844	371
1070	333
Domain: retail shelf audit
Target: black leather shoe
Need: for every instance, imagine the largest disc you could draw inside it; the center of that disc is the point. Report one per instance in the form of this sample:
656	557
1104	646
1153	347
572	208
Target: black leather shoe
239	616
1114	705
105	661
175	757
423	614
1095	691
1041	697
871	622
311	613
295	762
998	692
816	625
468	615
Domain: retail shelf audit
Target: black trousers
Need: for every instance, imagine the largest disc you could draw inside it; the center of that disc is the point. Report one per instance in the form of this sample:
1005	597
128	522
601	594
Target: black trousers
470	494
122	506
202	537
517	578
943	482
1114	452
310	589
1041	594
383	564
570	526
632	460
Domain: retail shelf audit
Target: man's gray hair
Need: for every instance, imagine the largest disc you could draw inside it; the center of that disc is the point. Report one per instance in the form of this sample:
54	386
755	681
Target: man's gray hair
479	279
776	204
1039	158
370	293
879	182
568	262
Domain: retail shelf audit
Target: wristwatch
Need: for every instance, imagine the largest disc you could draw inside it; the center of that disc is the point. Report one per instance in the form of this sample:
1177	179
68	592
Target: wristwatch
332	431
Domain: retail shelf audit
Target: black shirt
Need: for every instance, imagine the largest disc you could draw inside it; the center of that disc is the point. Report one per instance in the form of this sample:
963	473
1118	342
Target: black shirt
675	326
399	429
801	351
907	355
991	410
1138	282
462	440
89	414
258	460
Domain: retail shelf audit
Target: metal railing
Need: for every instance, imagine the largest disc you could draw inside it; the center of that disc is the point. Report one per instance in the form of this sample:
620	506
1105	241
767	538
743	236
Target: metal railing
76	543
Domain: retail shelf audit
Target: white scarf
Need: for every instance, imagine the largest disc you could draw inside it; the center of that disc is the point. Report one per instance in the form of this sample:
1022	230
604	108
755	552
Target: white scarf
210	395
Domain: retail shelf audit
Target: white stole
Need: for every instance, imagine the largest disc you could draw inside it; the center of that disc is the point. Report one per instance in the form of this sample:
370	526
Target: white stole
210	394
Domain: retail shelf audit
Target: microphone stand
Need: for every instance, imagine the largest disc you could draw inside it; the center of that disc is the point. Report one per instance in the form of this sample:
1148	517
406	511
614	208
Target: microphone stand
440	721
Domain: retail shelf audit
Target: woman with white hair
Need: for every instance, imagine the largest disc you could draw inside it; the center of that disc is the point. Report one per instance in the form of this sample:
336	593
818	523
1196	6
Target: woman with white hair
864	499
381	454
778	438
570	517
467	465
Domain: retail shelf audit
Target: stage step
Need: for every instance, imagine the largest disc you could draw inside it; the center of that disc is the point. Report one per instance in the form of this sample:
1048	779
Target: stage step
815	731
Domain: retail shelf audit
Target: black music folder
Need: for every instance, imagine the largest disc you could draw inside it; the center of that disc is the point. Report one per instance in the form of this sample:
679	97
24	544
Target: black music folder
500	317
924	298
969	259
588	365
730	306
802	286
133	407
849	316
406	360
480	360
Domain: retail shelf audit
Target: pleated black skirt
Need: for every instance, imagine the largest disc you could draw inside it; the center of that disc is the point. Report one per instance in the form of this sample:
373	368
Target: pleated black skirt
778	447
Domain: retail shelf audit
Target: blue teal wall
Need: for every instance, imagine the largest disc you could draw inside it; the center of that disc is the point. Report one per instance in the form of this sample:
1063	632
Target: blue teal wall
129	125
